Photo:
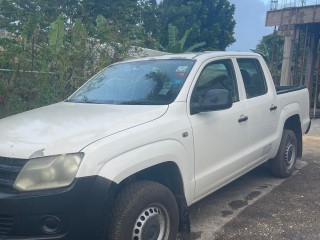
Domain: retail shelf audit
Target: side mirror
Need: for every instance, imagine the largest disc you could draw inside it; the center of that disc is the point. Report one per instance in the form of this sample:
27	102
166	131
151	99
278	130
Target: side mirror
213	100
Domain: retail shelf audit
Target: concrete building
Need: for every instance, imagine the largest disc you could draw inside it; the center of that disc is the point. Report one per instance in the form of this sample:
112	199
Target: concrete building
299	23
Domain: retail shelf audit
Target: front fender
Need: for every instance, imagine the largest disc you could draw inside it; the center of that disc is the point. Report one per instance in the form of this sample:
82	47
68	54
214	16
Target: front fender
138	159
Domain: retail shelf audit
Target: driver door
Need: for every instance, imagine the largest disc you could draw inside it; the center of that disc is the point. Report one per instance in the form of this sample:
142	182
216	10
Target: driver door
221	138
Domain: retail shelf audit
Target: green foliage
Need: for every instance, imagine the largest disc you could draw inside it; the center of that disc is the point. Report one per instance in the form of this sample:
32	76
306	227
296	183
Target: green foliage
271	48
178	46
57	34
172	36
195	46
79	34
49	71
28	30
101	23
55	46
149	17
211	21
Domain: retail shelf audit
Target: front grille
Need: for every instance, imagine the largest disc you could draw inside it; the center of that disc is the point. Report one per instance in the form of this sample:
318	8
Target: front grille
6	223
9	170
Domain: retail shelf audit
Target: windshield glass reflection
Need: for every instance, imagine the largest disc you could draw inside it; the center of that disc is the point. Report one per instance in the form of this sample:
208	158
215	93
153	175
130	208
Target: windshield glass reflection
149	82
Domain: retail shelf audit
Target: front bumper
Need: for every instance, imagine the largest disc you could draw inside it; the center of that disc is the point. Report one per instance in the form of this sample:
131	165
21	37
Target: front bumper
80	211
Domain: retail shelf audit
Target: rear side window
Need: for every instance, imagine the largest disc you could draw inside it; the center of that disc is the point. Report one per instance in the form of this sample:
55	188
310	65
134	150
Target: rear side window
217	75
253	77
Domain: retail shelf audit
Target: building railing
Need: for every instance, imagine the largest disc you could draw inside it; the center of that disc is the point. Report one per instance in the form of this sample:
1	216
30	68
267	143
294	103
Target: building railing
280	4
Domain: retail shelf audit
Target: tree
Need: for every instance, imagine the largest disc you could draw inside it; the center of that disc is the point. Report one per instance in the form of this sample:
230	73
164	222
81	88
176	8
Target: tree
14	14
217	24
270	47
149	23
177	45
46	61
56	36
211	22
149	16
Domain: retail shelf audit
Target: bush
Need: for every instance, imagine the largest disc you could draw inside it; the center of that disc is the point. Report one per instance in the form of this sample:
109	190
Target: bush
38	70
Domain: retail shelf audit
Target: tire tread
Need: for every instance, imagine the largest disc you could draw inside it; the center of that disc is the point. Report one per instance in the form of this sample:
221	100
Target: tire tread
276	165
126	200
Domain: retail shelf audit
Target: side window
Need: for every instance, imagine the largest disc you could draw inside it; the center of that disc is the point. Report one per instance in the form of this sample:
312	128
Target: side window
216	75
253	77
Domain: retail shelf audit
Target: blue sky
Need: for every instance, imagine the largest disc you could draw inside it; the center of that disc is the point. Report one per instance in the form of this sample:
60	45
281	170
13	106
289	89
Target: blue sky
250	17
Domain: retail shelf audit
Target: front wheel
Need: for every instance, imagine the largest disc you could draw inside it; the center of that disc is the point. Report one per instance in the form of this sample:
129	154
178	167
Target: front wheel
284	163
144	211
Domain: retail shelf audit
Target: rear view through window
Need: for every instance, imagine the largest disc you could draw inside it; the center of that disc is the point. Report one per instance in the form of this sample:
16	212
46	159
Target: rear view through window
217	75
253	77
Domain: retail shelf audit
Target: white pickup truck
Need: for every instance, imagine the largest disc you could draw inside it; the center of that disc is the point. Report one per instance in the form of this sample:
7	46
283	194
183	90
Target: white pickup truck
127	153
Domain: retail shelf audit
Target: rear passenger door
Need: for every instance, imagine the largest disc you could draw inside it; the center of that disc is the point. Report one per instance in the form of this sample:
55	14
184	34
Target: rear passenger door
261	103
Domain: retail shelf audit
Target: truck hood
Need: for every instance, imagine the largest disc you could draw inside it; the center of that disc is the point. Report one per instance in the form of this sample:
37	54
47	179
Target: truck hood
68	127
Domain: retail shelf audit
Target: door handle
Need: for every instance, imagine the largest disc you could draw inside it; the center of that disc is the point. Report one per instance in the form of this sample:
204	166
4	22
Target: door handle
273	108
243	119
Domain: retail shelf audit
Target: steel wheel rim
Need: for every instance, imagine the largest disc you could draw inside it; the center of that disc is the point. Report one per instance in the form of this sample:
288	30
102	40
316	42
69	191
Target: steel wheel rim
152	224
290	155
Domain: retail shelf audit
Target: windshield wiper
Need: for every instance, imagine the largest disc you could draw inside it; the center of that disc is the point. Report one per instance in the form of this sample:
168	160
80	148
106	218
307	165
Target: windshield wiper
81	101
140	103
134	103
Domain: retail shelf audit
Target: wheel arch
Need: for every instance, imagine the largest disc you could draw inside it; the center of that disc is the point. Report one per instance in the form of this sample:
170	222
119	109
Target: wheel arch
293	123
289	118
169	175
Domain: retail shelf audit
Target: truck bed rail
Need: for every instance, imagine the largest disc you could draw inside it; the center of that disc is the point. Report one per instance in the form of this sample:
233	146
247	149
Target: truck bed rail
287	89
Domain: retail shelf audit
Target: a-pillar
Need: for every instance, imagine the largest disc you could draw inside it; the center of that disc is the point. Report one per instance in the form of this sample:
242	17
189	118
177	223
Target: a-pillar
287	60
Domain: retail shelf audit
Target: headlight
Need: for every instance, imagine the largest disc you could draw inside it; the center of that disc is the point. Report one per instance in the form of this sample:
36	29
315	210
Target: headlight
48	172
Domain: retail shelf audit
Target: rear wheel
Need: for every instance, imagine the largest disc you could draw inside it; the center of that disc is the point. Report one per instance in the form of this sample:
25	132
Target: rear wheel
284	163
144	211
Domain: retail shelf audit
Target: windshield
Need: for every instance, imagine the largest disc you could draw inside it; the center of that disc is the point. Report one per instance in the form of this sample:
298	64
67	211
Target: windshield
148	82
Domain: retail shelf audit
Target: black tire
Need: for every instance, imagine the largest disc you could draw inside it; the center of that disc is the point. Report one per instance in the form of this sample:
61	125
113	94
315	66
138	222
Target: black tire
284	163
144	210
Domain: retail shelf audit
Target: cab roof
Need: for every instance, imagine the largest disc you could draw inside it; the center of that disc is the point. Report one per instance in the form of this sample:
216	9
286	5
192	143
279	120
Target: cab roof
197	56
